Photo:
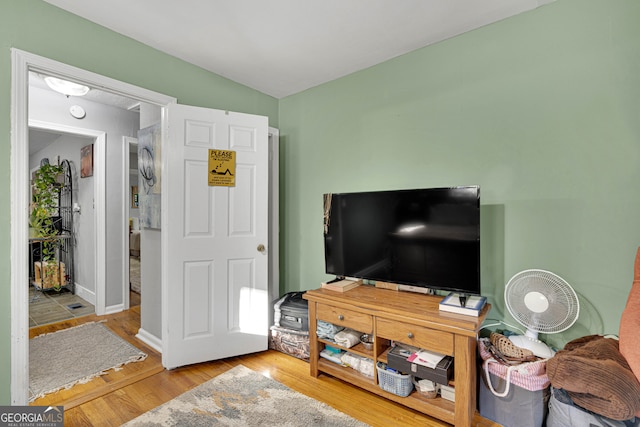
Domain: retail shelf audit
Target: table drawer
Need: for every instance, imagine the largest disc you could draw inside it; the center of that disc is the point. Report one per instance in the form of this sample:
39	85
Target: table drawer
349	319
418	336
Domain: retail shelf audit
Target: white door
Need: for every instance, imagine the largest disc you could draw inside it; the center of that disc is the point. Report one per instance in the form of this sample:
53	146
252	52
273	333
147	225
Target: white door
215	246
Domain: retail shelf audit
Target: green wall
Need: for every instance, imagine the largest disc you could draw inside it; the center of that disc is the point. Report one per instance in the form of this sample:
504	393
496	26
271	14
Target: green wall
542	110
39	28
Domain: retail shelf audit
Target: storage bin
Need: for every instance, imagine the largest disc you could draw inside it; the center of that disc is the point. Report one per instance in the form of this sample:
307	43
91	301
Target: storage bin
520	407
513	395
290	341
398	384
426	388
564	413
442	373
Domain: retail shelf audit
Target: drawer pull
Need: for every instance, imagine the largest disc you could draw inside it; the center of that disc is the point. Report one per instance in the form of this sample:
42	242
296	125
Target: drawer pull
410	335
357	321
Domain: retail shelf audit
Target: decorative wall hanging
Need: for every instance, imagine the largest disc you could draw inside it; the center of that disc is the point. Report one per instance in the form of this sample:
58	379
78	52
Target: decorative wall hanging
149	182
86	161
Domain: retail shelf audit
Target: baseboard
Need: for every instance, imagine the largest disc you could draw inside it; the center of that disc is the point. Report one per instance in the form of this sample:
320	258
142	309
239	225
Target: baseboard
150	339
85	294
117	308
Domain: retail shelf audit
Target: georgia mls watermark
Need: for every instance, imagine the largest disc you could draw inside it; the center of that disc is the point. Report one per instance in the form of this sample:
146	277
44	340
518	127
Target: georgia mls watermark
31	416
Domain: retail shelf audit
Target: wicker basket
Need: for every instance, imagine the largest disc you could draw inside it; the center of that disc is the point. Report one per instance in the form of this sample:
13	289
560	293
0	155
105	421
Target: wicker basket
398	384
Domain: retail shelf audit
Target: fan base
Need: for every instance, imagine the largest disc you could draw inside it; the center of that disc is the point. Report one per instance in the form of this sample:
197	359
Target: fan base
538	348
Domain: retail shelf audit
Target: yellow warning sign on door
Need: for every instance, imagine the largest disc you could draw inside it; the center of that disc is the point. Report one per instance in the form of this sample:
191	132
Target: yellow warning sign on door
222	168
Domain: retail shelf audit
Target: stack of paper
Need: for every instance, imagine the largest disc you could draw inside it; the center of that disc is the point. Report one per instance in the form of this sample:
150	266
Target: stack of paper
426	358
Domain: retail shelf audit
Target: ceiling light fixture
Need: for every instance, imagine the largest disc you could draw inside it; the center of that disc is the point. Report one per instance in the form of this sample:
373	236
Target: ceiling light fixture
66	87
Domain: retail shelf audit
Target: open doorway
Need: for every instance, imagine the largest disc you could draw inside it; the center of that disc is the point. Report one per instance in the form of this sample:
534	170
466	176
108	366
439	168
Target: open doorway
69	293
248	133
73	129
130	161
109	299
58	141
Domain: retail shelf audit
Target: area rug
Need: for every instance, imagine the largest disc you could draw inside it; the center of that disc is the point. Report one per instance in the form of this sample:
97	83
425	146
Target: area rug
242	397
76	355
134	274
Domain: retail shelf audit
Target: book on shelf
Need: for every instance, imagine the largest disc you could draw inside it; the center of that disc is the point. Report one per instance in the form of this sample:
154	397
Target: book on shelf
341	285
474	303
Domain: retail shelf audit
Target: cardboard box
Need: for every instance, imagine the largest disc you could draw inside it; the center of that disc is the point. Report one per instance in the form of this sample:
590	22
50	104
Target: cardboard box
442	373
49	274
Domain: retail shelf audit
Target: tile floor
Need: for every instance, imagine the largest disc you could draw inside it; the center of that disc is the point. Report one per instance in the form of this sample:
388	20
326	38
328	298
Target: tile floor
51	306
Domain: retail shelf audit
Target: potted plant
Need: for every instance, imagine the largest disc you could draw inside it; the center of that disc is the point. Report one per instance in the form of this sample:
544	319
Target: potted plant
47	185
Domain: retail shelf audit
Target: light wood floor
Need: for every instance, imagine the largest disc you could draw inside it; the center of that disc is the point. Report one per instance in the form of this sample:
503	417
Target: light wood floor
120	396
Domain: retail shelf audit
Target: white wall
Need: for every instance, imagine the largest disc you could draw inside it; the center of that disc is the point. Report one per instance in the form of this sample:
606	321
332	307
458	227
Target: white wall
52	107
150	256
68	148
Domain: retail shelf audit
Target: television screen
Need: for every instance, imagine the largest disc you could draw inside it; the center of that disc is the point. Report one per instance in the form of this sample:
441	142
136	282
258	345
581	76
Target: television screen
423	237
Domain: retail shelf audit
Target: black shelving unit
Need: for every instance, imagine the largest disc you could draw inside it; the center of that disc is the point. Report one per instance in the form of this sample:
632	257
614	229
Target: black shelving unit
57	271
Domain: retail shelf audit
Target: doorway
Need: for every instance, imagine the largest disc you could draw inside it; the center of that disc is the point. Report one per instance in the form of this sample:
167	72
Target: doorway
244	135
130	162
23	63
71	141
73	294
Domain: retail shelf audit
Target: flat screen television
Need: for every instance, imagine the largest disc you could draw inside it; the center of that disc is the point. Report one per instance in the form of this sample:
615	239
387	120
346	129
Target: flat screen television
422	237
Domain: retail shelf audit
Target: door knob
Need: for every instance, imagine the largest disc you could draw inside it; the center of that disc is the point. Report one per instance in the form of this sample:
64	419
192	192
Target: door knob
261	248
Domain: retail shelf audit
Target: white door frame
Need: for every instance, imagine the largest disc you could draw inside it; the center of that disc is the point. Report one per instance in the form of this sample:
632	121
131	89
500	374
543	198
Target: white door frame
99	194
274	217
21	63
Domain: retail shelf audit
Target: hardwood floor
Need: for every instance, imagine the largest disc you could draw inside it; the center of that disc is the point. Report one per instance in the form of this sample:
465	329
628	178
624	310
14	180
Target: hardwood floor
120	396
126	324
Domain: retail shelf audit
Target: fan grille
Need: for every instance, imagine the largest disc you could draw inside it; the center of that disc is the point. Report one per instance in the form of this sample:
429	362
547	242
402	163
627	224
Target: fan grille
541	301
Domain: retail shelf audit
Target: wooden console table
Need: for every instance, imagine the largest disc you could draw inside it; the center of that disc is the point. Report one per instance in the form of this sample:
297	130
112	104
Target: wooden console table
410	318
